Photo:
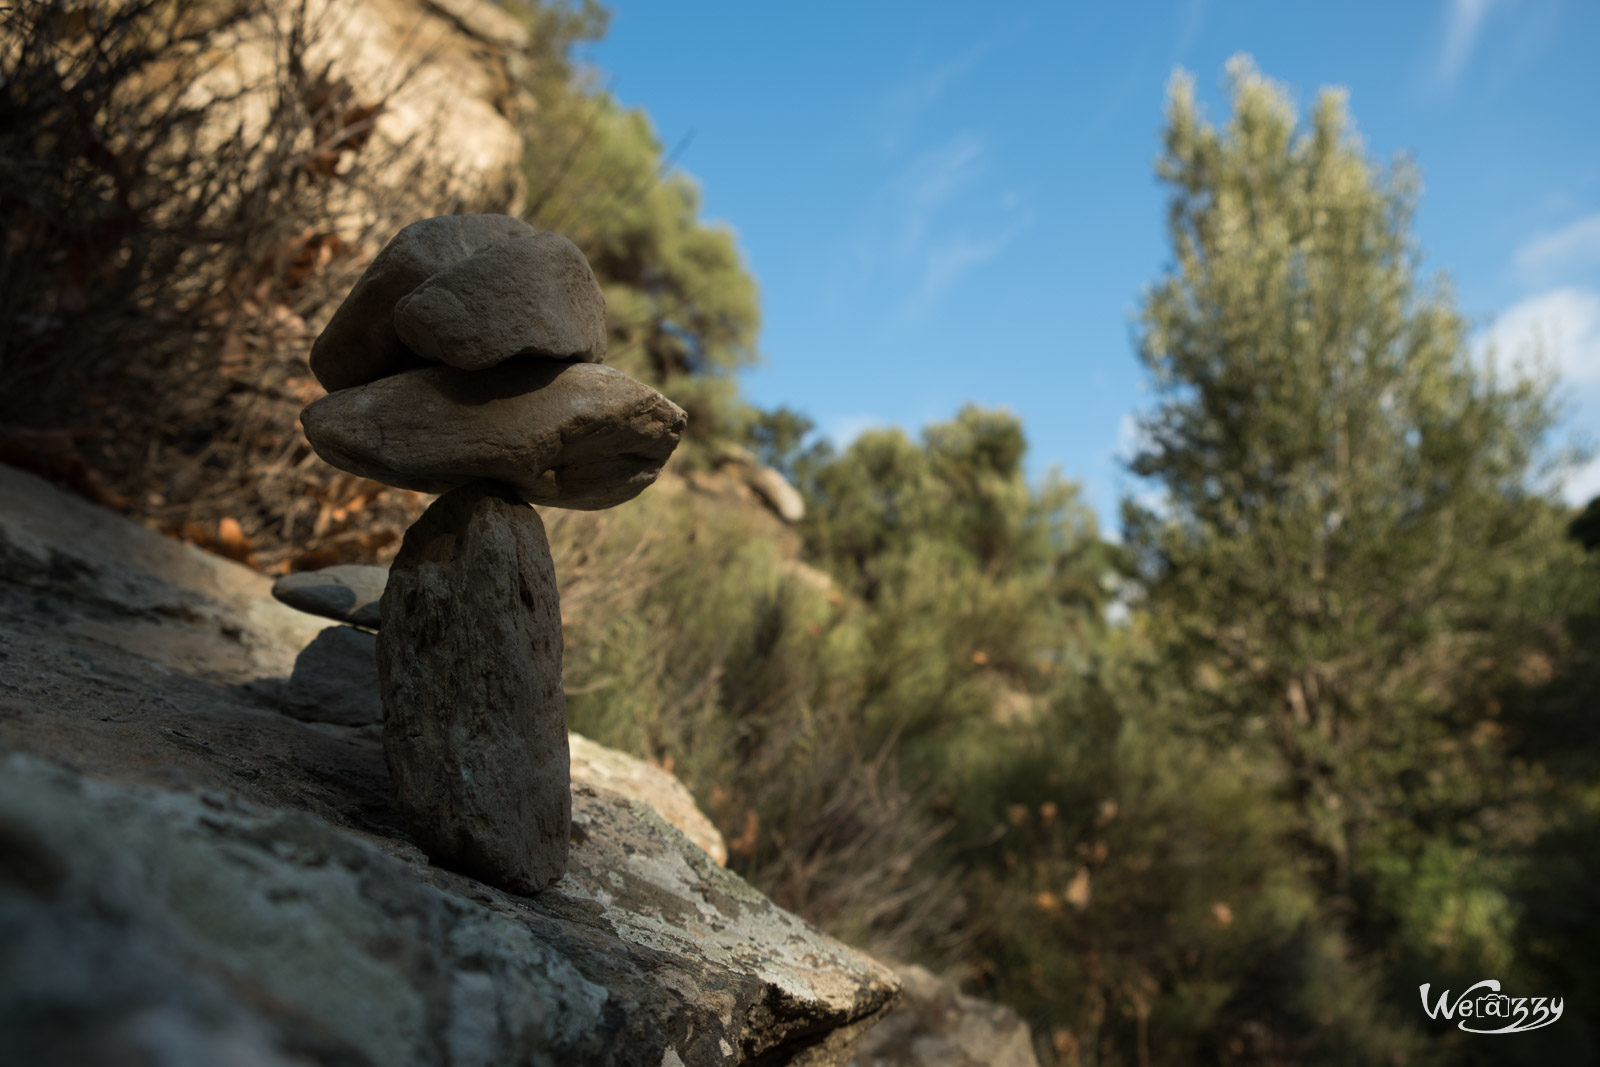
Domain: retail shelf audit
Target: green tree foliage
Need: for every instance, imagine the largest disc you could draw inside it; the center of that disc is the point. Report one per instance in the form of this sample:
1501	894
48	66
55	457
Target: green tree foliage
836	725
1130	893
778	438
682	309
1340	746
962	487
1585	527
981	590
1349	566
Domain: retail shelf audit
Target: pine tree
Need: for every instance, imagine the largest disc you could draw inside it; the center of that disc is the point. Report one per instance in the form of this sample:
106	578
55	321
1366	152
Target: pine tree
1349	559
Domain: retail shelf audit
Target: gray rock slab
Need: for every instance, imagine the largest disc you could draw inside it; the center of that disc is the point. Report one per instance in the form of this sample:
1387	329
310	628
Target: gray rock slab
469	664
190	876
346	593
131	587
359	344
570	435
606	768
532	294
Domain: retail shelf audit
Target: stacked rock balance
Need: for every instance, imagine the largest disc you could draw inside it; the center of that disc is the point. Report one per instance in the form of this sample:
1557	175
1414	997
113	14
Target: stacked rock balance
466	361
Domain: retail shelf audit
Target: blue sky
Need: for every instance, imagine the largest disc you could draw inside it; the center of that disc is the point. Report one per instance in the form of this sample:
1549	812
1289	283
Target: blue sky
952	202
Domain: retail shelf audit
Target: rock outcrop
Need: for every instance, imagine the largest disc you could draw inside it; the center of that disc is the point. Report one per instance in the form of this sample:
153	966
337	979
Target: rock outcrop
606	768
189	875
766	485
429	90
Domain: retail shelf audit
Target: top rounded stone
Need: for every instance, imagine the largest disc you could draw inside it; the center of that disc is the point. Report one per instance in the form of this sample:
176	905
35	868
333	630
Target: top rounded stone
530	294
478	290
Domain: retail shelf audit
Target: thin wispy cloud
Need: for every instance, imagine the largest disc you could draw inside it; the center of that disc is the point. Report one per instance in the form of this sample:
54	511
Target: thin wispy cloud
1463	26
946	263
907	101
938	219
911	203
1574	247
938	215
1559	329
898	112
1189	29
933	180
1132	438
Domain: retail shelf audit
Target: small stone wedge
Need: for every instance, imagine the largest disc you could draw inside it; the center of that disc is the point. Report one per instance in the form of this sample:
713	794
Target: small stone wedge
469	661
348	592
569	435
532	294
359	344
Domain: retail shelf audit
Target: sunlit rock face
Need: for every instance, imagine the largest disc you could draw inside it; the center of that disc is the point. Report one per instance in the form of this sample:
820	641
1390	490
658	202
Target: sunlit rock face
193	875
424	88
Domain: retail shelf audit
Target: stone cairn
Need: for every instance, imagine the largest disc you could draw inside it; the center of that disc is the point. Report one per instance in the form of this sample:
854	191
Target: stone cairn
466	362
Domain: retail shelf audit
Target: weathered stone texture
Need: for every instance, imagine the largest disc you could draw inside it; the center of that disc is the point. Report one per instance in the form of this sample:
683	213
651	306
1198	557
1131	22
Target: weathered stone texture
531	295
346	593
359	344
189	876
475	721
335	679
571	435
606	768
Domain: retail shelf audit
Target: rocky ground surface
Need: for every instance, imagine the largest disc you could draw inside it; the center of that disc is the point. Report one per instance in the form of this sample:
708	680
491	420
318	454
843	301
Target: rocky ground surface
201	861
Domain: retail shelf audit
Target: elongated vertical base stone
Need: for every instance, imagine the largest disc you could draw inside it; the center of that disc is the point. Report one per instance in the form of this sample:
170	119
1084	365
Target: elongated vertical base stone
469	660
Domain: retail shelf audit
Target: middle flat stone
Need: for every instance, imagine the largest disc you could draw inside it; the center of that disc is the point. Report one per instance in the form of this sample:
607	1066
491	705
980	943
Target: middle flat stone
571	435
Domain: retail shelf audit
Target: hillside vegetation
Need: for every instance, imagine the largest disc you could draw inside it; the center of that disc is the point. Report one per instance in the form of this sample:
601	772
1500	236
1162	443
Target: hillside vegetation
1316	729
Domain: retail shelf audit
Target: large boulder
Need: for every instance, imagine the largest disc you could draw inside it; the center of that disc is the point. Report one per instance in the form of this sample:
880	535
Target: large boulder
768	486
188	875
